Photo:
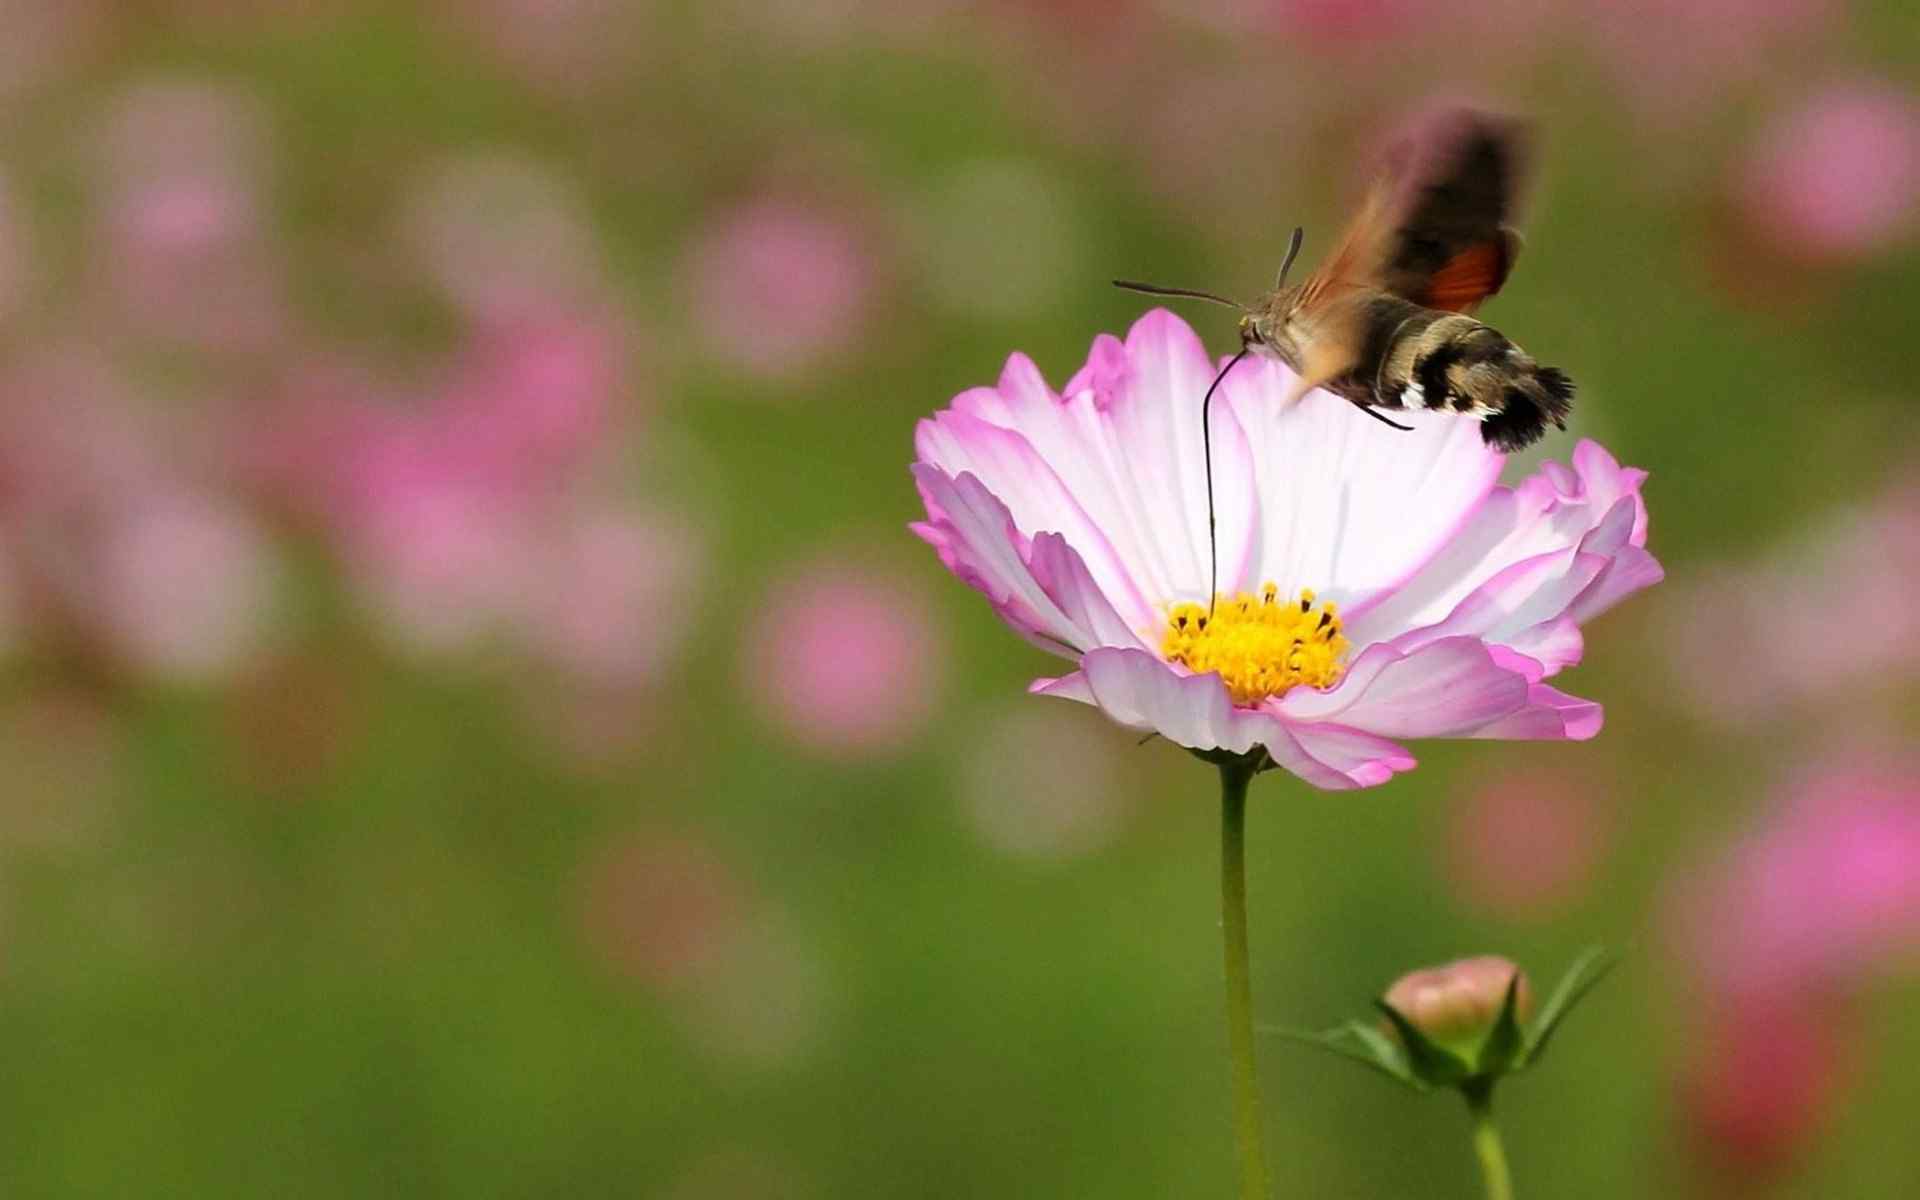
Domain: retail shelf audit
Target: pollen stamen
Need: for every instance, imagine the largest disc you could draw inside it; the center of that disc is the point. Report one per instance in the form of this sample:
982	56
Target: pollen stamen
1260	646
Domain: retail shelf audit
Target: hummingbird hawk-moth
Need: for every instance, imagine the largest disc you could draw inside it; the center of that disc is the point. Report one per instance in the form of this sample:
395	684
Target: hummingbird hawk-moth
1386	323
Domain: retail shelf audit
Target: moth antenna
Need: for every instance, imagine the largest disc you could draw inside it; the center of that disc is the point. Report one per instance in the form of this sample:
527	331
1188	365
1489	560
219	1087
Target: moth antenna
1293	252
1206	446
1190	293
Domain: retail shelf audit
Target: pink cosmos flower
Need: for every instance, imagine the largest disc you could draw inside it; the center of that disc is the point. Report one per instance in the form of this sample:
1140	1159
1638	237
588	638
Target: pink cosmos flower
1527	844
1821	897
563	47
1676	57
1740	657
615	594
1374	584
184	239
503	238
661	909
1772	1074
778	287
1838	176
1775	940
180	588
843	660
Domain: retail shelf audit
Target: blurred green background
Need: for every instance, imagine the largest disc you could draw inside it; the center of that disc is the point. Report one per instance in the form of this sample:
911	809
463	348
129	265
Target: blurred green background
476	724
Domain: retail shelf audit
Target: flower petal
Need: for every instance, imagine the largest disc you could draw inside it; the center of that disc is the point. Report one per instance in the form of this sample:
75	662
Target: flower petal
1063	575
1042	588
1565	543
1449	688
1034	495
1072	686
1549	715
1141	692
1337	758
1351	507
1114	463
970	529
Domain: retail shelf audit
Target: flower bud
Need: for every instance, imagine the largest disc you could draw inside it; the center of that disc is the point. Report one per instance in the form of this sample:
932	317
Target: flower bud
1458	1004
1452	1027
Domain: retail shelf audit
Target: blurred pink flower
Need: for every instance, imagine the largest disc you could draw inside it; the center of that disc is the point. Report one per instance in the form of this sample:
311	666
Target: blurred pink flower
182	588
779	287
844	659
743	979
1765	1082
1777	937
443	564
1047	785
470	520
1838	174
1357	21
520	413
1826	894
527	404
615	596
505	239
1673	57
184	254
1525	845
564	47
1082	516
1741	654
118	540
74	437
433	530
661	908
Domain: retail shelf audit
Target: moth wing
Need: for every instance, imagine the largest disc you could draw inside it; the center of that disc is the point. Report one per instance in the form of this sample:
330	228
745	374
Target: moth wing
1472	275
1452	243
1335	348
1436	226
1363	247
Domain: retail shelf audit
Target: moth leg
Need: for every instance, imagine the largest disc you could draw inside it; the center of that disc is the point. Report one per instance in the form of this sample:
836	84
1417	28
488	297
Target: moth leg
1327	356
1377	415
1315	371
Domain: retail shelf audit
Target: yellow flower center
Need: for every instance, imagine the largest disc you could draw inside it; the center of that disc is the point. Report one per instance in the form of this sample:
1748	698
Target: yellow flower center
1260	645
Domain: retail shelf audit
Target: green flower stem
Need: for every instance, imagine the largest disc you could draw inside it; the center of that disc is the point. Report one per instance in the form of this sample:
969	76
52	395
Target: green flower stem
1234	778
1487	1145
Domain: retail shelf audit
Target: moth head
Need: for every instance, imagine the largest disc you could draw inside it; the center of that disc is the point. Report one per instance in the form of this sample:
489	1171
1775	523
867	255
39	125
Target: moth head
1250	335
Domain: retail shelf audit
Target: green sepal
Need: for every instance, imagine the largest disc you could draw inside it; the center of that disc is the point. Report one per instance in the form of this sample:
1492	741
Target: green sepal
1582	977
1505	1042
1360	1043
1432	1064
